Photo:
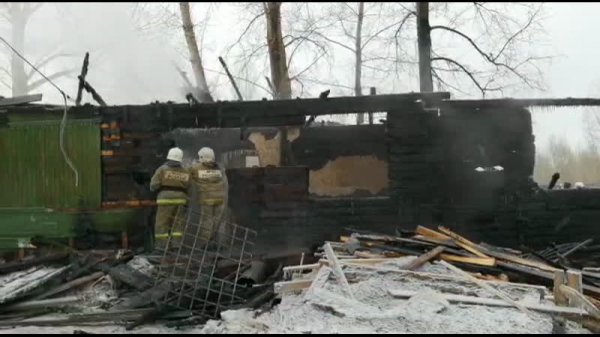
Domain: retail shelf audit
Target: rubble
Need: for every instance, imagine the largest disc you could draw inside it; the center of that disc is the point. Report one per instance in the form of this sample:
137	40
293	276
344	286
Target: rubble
426	281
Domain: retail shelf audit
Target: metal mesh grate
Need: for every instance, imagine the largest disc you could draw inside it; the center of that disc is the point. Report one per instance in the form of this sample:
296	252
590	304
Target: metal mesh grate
202	262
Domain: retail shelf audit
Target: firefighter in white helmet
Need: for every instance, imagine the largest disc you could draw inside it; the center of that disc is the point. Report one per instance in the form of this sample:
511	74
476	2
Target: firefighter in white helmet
211	190
172	182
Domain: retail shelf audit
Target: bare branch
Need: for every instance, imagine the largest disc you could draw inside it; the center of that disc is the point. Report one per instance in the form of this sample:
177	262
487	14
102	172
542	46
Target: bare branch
8	86
400	25
250	24
45	61
464	69
6	71
335	42
52	77
519	32
240	78
486	56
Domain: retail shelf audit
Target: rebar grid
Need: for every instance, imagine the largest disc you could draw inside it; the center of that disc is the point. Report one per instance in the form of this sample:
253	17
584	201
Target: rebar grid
201	263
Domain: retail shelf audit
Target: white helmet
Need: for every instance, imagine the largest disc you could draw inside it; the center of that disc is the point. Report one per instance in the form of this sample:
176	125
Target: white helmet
175	154
206	155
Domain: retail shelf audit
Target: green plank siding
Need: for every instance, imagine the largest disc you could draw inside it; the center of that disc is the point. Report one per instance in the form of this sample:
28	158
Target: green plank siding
33	172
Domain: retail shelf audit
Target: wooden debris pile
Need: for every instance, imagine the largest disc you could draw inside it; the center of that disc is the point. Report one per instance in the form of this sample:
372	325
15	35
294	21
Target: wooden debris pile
97	287
573	283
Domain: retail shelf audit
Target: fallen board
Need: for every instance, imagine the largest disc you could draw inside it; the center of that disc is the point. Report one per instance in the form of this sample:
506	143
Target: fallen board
494	303
480	261
421	260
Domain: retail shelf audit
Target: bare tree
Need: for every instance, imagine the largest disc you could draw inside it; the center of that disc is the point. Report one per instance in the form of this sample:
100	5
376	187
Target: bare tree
18	15
424	43
279	69
363	31
287	54
500	45
190	38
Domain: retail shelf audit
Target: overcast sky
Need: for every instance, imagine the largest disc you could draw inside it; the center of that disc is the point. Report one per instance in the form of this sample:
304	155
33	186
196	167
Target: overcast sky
130	67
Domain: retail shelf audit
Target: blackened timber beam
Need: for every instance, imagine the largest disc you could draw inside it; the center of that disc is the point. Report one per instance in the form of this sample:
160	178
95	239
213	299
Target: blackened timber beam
275	112
508	103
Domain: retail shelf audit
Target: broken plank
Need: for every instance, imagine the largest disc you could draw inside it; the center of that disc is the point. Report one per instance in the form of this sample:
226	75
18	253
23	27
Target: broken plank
485	286
517	260
365	255
549	277
128	275
493	302
480	261
431	233
421	260
578	300
576	248
575	280
129	315
337	269
18	266
440	242
289	286
456	237
426	275
14	288
300	268
369	261
55	302
559	280
145	298
70	285
471	250
385	238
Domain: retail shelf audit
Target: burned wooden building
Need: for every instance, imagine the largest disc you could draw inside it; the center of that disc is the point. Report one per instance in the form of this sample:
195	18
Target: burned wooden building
429	162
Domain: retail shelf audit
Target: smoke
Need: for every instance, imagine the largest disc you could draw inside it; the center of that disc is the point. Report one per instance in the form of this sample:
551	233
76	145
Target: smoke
126	66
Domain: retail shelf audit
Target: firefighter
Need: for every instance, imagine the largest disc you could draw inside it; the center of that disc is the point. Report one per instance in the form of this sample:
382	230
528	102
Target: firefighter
211	191
172	182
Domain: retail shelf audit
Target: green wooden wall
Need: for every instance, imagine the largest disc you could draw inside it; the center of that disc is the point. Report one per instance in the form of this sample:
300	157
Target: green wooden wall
33	172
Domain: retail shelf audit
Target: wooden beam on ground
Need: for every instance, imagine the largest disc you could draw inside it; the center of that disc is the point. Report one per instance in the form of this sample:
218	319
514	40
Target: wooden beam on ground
365	255
70	285
493	303
575	280
485	286
431	233
456	237
386	238
54	302
576	248
578	300
433	276
471	250
517	260
22	265
559	280
337	269
286	287
480	261
439	242
587	289
421	260
301	268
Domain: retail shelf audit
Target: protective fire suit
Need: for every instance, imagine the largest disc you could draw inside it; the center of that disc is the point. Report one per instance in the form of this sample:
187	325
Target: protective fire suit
172	181
209	181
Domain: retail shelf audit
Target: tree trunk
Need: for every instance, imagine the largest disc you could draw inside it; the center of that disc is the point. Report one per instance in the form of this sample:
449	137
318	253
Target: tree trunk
190	37
360	118
17	65
424	43
277	56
